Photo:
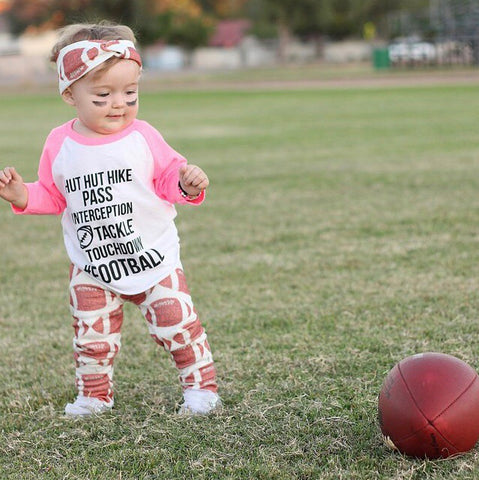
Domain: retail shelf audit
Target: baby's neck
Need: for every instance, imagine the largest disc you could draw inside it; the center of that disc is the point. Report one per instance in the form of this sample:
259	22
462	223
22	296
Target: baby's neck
80	128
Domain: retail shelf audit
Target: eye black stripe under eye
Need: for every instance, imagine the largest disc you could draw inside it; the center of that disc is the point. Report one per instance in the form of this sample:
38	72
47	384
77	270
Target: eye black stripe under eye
132	103
99	104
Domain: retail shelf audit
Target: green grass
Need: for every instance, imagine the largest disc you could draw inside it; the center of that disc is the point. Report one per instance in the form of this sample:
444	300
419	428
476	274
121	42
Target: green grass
328	74
340	234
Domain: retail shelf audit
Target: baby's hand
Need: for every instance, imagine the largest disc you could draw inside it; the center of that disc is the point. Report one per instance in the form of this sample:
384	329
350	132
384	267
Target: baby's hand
12	188
193	180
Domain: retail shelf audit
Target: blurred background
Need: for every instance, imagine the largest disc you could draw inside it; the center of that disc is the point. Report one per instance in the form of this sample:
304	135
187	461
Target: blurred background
227	35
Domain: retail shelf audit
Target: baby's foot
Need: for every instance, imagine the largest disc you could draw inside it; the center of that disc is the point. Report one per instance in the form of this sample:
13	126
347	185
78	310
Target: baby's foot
84	406
199	402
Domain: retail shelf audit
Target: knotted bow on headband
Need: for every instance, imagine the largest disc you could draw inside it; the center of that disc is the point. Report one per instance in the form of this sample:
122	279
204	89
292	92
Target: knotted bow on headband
77	59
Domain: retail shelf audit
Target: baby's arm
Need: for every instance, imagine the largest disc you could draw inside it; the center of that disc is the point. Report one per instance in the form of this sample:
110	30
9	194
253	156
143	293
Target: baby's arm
12	188
192	180
170	168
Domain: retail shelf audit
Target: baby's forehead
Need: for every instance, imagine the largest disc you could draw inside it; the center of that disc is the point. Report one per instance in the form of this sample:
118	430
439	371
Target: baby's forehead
124	69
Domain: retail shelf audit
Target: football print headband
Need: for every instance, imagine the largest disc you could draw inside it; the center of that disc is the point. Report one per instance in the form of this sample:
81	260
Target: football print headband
77	59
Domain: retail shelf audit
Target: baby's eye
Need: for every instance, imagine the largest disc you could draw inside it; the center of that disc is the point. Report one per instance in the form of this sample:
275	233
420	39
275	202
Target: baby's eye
102	94
131	92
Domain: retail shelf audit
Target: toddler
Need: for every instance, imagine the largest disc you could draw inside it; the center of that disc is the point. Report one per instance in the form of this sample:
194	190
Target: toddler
115	181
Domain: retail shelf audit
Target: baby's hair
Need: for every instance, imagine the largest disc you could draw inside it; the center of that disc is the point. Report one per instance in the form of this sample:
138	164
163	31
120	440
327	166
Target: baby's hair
90	31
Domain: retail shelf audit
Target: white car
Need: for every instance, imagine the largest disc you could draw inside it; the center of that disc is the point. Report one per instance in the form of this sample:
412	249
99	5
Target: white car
412	52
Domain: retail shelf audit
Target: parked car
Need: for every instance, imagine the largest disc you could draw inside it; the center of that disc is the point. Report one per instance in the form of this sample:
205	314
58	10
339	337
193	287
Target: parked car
410	51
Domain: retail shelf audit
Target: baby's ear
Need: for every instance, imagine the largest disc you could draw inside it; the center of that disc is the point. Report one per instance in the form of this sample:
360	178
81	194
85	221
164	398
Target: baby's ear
68	97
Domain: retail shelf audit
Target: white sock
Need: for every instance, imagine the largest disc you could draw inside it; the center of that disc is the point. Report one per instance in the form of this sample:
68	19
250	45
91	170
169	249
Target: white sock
199	402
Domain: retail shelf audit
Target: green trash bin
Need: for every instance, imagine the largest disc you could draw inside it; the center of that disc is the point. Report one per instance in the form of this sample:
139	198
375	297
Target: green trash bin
381	58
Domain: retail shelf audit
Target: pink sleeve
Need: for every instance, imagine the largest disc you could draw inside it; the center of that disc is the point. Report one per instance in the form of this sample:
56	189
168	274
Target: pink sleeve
43	196
166	169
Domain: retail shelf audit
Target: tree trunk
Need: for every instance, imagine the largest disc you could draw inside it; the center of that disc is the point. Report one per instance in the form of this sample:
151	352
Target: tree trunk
284	35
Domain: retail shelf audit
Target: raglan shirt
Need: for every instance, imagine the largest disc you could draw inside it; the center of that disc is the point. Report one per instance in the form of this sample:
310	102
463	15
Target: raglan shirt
117	196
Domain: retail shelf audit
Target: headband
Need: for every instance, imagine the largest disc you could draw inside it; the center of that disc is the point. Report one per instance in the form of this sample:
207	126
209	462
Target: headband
77	59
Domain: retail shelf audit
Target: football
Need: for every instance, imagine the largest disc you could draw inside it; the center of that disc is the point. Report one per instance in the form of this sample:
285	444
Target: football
429	406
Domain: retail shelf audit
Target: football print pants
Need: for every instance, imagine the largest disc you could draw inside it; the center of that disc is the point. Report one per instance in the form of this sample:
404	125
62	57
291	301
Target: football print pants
172	322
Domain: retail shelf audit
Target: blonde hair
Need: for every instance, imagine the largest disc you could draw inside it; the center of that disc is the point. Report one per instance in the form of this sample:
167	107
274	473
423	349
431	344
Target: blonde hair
90	31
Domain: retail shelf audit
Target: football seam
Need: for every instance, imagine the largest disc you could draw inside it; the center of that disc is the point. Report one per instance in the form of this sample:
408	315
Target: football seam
412	397
450	405
456	399
430	422
454	449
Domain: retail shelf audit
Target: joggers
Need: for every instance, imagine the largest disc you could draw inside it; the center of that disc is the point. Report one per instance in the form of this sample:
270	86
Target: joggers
172	322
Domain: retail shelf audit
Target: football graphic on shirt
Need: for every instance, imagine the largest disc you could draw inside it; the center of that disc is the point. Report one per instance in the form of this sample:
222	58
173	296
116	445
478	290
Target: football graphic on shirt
85	236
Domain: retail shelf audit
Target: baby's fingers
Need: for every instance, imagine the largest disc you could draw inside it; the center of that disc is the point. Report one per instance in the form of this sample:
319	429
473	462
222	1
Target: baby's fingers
10	174
5	176
187	173
195	176
201	182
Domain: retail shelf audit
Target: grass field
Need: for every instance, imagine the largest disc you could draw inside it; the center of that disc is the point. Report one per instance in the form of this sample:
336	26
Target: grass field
340	234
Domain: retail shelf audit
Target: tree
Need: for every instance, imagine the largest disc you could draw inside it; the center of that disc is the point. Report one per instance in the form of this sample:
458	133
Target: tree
224	8
189	22
56	13
25	13
182	21
335	19
288	17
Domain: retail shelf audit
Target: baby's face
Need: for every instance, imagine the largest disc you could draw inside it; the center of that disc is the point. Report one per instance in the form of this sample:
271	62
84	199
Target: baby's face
107	102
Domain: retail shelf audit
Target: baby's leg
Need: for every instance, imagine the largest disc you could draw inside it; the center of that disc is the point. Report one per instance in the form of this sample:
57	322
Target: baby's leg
174	324
98	316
